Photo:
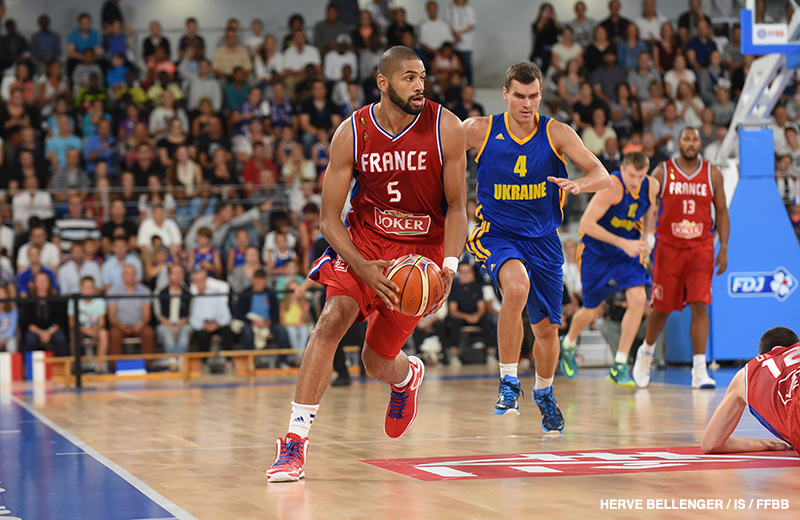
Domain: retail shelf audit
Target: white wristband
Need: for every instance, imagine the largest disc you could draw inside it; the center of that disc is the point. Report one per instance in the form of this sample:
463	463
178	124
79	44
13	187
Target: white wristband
451	263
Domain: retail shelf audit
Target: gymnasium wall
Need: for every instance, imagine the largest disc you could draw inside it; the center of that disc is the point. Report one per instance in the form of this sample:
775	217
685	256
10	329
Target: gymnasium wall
503	36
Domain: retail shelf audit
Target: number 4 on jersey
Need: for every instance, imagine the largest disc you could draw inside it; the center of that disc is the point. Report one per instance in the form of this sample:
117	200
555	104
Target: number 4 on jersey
522	165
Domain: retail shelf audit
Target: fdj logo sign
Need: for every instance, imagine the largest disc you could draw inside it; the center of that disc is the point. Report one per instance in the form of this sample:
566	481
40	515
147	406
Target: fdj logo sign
778	284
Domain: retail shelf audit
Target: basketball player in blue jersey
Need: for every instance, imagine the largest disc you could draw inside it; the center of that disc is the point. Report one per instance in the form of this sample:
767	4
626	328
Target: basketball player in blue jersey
614	230
522	184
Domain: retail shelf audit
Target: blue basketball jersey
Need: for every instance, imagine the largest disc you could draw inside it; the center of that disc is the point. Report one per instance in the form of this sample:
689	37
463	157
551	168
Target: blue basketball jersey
624	218
514	195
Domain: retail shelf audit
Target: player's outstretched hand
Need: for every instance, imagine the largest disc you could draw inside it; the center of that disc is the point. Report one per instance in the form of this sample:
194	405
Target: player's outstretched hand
565	184
447	284
722	260
372	272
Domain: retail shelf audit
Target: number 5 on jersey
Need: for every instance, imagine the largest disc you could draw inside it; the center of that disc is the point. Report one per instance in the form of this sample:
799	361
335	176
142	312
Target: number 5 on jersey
395	193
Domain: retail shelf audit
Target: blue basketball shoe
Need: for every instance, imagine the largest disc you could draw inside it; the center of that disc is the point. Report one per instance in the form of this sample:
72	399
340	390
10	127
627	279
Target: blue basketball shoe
552	420
508	396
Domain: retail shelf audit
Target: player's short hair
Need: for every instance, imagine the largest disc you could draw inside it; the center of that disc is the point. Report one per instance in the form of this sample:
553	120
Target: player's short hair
687	129
637	160
777	337
393	59
524	72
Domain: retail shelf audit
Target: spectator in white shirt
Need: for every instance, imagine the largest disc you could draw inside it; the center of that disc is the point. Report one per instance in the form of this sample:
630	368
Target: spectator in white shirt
32	202
209	315
7	236
158	225
268	61
50	257
462	20
339	57
650	22
296	58
75	269
433	31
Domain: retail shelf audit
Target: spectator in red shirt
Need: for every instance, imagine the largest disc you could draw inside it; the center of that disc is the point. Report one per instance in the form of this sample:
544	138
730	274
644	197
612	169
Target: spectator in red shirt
261	160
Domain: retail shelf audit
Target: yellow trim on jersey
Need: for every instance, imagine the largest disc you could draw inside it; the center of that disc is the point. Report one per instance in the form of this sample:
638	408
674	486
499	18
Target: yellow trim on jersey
621	192
478	209
552	146
517	139
474	246
651	195
485	139
579	253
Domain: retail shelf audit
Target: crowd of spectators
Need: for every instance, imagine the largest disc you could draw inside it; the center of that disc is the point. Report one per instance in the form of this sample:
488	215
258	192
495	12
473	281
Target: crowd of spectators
176	184
634	84
161	170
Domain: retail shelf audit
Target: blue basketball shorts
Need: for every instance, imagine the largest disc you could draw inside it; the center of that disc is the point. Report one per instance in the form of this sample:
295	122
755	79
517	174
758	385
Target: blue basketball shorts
603	275
543	260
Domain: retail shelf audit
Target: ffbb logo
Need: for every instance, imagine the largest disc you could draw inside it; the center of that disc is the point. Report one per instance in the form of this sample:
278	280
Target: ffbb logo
778	284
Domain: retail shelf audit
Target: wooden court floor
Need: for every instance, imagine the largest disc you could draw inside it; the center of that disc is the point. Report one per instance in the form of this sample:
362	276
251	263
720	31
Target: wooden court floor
205	448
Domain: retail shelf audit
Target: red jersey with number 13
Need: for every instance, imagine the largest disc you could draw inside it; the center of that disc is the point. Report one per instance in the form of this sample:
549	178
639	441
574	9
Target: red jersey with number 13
399	191
772	382
684	216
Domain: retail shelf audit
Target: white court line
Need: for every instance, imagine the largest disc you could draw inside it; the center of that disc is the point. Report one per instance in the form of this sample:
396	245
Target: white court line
396	441
9	431
146	490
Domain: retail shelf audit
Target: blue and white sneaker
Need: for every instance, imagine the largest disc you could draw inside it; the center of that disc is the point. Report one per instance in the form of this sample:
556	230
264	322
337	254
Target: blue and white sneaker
508	396
552	419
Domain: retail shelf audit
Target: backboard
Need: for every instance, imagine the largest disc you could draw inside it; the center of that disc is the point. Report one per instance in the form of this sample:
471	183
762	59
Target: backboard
774	32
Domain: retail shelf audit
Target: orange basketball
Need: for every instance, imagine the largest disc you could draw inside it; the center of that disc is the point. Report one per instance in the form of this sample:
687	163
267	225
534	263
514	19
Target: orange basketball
420	283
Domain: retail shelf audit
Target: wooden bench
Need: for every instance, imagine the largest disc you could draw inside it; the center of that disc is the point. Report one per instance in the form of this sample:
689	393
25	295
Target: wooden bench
243	365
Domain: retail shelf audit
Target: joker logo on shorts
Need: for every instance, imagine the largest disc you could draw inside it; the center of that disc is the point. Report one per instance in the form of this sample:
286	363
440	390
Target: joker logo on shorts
396	222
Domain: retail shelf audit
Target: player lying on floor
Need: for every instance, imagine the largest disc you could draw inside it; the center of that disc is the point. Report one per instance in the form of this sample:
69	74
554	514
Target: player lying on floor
767	386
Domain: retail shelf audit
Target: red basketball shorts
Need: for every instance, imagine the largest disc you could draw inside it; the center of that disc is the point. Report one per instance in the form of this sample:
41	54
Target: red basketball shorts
387	330
681	276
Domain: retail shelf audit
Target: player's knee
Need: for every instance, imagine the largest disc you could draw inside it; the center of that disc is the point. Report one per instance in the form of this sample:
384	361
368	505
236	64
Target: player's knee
336	316
515	293
636	299
699	309
376	366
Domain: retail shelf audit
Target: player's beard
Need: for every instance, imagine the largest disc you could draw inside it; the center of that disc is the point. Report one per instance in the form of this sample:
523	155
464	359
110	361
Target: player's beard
404	104
689	156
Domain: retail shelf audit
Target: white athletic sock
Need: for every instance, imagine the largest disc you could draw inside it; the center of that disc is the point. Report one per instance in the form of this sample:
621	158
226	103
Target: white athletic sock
648	348
542	382
570	343
302	417
405	381
699	360
508	369
621	357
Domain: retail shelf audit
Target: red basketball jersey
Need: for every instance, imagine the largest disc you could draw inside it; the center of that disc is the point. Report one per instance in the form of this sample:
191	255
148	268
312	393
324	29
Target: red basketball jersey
772	382
684	217
399	191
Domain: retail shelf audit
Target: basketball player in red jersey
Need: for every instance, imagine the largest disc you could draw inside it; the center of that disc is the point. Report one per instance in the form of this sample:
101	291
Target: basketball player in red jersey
406	155
767	386
684	254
